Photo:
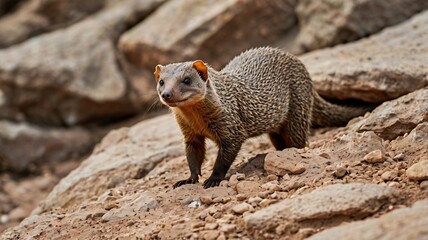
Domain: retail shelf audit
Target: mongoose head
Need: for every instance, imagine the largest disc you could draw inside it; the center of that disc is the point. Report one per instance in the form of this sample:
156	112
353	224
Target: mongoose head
182	84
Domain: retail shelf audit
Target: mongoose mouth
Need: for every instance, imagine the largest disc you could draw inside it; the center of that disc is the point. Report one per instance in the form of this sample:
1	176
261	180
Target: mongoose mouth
181	102
177	103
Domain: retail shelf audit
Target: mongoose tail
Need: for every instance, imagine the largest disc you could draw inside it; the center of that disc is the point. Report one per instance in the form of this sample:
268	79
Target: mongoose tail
325	114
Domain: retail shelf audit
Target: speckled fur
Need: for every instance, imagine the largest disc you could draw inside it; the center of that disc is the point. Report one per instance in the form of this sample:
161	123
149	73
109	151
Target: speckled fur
263	90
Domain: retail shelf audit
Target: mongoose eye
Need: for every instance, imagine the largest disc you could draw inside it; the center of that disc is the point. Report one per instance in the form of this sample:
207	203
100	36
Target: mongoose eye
161	82
187	81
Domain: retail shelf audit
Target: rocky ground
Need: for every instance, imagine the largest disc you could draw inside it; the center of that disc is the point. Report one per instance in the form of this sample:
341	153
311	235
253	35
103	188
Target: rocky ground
366	180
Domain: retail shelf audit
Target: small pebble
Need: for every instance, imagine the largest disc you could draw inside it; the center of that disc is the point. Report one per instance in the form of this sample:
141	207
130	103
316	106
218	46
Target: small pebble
424	185
265	202
4	219
255	200
418	171
394	184
272	177
210	235
241	208
340	171
375	156
194	204
110	205
241	197
205	199
263	194
389	175
227	227
211	226
398	157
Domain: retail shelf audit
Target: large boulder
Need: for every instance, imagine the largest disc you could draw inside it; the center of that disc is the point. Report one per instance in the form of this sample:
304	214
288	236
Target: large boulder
39	16
72	75
329	22
379	68
214	31
396	117
24	146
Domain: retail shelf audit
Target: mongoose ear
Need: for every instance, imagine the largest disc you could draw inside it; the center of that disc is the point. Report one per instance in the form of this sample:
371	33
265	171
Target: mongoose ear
157	71
202	69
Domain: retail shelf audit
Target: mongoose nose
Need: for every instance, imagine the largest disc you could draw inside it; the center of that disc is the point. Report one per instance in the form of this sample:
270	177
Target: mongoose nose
166	95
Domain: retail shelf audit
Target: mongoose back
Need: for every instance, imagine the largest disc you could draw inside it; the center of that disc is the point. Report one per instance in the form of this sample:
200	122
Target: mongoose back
263	90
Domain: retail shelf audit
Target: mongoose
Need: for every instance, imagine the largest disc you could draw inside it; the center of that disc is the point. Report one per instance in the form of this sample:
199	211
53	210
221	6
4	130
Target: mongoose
263	90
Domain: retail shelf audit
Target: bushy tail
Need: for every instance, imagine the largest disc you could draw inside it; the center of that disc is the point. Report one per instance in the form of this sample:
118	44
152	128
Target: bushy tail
325	114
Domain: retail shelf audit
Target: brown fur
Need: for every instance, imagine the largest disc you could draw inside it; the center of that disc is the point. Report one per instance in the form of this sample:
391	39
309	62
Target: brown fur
263	90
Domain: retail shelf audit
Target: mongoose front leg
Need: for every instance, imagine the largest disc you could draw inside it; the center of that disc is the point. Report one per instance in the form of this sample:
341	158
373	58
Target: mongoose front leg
195	153
226	155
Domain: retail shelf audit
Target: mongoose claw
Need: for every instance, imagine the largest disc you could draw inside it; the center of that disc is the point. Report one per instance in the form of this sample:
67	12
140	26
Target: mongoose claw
212	182
190	180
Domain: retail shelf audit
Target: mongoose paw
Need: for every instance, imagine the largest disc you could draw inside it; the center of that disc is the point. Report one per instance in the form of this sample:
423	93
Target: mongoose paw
190	180
212	182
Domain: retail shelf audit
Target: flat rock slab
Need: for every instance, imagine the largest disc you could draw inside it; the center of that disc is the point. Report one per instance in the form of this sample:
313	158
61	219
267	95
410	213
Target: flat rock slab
396	117
326	23
402	224
124	153
214	31
384	66
354	199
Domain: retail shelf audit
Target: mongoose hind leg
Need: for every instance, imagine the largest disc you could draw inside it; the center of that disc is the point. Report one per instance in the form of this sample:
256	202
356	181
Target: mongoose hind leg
295	130
278	141
228	150
195	150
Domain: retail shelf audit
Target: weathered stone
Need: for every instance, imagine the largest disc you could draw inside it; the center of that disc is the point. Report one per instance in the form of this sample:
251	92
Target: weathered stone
23	146
284	162
326	23
241	208
369	69
127	152
247	187
354	146
36	17
79	78
142	203
402	224
418	171
214	31
389	175
324	203
376	156
340	171
396	117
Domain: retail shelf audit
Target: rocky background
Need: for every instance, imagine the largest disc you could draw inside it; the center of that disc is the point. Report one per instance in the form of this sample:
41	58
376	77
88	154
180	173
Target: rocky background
71	71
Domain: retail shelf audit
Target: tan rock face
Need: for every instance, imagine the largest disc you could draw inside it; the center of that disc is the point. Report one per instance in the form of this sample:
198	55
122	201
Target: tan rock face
326	23
214	31
82	68
382	67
